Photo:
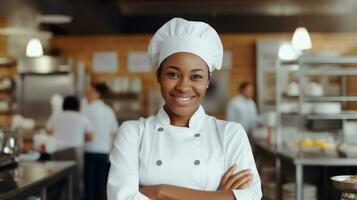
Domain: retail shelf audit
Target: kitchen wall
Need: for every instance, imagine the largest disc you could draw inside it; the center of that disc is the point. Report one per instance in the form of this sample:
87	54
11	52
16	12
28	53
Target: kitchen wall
2	39
5	118
242	47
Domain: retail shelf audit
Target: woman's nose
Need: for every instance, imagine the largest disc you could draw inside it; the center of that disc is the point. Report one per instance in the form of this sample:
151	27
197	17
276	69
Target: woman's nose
183	85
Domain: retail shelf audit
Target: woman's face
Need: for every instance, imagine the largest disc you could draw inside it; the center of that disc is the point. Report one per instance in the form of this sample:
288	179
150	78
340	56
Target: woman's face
183	80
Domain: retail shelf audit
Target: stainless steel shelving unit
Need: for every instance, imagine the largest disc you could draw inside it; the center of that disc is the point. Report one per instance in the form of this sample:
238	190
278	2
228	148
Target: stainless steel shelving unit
306	69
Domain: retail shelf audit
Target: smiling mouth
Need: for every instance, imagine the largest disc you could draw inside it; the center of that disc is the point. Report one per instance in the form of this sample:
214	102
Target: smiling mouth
183	100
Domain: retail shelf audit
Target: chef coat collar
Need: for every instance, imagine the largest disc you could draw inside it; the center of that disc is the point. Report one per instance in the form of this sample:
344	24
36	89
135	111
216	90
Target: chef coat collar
97	101
195	121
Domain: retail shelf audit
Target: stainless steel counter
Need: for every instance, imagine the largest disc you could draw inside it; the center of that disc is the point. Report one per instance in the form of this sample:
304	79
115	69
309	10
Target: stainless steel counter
34	178
301	159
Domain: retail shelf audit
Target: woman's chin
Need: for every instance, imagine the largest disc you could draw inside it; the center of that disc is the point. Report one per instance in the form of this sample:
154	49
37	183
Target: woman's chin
183	111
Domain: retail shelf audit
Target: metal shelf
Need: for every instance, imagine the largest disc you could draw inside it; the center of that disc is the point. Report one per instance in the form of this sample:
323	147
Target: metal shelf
330	98
350	71
328	60
343	115
310	65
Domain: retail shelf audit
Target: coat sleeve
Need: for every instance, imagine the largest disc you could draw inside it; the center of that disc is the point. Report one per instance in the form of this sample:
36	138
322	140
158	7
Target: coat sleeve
123	178
239	152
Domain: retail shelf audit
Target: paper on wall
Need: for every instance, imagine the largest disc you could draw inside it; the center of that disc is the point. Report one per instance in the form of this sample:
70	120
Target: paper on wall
105	61
139	61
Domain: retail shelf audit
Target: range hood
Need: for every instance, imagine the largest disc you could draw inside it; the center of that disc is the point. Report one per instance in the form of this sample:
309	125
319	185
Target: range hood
39	79
44	65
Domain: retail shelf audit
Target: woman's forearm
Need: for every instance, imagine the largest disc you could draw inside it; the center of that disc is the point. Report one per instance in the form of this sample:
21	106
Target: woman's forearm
169	192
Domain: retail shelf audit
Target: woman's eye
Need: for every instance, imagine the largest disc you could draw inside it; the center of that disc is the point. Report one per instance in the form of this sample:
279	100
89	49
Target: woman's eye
172	75
196	77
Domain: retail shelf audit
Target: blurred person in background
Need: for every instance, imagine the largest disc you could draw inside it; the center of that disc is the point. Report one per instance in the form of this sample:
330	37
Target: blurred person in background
242	108
71	129
105	126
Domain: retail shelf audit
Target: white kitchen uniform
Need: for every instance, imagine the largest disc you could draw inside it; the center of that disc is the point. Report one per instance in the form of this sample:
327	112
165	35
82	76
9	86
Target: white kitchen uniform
151	151
243	111
69	128
104	124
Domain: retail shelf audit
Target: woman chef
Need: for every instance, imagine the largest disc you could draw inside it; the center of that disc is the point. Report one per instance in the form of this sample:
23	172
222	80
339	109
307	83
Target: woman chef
183	153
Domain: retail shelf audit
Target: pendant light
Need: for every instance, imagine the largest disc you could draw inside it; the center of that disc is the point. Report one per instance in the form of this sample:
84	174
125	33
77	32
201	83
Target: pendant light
288	53
34	48
301	39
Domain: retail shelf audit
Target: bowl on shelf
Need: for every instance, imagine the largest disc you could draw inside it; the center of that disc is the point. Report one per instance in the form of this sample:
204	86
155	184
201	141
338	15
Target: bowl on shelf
347	184
314	89
293	89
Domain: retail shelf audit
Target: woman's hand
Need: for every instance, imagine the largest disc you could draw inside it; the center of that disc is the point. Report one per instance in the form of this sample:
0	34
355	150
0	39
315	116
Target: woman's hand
240	180
152	192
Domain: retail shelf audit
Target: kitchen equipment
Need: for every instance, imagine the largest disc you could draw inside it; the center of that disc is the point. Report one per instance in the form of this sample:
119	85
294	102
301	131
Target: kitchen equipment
293	107
347	149
348	189
314	89
12	145
293	89
289	193
7	161
29	156
39	79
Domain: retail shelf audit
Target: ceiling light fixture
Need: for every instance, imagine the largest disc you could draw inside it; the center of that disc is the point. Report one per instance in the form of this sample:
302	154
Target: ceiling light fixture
34	48
301	39
288	53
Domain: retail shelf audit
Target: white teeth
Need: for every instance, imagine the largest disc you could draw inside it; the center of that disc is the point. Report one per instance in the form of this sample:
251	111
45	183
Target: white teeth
183	99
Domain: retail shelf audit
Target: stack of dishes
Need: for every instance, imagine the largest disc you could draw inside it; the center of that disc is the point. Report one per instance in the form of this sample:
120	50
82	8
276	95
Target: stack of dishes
269	191
327	108
289	191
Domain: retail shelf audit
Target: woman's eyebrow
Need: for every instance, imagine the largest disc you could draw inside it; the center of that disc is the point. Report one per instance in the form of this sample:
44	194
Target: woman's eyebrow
197	70
174	67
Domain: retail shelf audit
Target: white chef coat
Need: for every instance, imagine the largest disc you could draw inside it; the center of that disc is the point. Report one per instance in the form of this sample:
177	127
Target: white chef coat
151	151
69	128
243	111
104	124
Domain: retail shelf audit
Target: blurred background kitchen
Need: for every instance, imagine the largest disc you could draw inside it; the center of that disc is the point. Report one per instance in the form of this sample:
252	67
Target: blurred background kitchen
300	57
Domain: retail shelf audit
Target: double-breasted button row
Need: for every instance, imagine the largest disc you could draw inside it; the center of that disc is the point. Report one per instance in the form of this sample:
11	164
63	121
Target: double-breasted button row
160	129
196	162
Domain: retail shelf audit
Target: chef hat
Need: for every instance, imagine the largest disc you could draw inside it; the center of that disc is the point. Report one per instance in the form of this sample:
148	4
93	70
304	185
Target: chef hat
180	35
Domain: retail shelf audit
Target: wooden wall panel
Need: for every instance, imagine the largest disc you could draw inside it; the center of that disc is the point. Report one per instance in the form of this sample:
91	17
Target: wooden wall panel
2	39
5	119
242	47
